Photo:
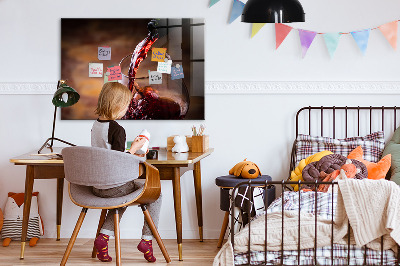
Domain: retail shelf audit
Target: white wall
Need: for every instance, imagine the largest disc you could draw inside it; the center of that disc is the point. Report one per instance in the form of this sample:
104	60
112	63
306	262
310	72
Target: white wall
257	126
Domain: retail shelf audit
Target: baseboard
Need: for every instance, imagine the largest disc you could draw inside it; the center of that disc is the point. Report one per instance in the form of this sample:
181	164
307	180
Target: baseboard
247	87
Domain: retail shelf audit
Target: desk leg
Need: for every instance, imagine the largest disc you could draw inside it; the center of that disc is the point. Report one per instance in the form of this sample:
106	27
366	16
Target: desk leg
27	206
60	190
176	182
197	189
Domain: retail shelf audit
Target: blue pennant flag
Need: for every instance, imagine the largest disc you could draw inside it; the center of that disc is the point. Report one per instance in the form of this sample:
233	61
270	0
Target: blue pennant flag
332	41
237	9
361	38
213	2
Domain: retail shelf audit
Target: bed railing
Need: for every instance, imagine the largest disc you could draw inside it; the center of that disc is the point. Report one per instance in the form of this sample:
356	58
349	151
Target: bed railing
265	185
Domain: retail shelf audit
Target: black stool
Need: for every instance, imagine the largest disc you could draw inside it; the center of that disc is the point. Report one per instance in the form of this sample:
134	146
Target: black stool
226	183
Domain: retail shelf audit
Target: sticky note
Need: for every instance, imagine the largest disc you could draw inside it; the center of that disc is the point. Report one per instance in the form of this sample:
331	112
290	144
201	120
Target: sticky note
158	54
155	77
95	70
115	73
177	72
104	53
164	67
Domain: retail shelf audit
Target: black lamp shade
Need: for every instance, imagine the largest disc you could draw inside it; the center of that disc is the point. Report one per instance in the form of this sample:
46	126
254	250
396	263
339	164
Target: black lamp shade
73	96
273	11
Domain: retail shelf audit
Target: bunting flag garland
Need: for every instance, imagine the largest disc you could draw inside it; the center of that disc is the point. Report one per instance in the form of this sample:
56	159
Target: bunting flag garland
332	41
389	30
281	31
237	9
361	37
213	2
306	39
256	27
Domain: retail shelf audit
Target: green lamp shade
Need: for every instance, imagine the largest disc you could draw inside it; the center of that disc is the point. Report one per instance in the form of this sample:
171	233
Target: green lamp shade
65	96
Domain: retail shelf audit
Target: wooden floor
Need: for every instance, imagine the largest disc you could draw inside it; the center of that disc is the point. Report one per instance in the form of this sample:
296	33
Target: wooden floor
50	252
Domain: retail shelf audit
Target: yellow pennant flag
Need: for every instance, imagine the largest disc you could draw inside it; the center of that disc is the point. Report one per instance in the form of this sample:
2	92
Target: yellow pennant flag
256	28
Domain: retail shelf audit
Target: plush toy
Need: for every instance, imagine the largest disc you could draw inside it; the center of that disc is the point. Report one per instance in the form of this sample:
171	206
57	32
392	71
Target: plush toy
13	215
180	144
245	169
348	170
296	174
375	170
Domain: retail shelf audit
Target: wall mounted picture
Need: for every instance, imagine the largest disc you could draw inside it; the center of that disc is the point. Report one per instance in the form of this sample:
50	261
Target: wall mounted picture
160	60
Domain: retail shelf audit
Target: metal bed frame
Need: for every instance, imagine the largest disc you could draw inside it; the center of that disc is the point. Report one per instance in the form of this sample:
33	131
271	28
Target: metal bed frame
283	184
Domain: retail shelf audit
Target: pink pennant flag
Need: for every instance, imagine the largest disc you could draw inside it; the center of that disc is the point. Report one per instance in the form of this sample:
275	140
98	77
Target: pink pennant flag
389	30
306	39
281	31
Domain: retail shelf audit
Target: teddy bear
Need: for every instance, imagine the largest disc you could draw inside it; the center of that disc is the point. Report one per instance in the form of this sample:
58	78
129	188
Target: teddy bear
245	169
13	215
180	144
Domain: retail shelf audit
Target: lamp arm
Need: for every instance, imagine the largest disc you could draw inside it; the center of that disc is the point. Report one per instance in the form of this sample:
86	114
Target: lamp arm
54	126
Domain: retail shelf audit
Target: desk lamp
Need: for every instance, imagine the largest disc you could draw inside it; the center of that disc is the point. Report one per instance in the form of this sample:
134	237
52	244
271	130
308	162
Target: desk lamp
273	11
64	96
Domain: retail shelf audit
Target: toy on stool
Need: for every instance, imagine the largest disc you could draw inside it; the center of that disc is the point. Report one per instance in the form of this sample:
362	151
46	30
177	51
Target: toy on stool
245	169
13	215
180	144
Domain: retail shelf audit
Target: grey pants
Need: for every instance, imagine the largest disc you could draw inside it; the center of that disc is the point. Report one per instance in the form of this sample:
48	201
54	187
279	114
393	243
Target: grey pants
154	208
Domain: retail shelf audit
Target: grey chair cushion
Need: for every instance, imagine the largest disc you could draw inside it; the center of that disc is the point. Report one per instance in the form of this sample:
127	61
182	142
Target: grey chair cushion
83	196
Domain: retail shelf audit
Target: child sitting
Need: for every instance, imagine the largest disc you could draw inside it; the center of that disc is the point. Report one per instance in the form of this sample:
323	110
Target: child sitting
106	133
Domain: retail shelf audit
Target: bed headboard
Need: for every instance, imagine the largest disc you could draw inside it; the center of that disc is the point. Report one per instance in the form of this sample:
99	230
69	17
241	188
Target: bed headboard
344	121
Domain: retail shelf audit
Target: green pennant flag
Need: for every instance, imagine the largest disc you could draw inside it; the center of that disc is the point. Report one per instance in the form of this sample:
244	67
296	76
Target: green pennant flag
213	2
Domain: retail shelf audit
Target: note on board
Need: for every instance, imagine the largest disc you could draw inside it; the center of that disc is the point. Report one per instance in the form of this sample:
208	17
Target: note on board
177	72
115	73
104	53
164	67
95	70
158	54
155	77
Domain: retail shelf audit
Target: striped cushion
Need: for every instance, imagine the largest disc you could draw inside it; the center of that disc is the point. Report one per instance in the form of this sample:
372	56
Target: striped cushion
372	145
13	228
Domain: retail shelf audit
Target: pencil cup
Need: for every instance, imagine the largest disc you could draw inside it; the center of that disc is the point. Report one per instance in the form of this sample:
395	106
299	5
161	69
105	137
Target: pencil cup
200	143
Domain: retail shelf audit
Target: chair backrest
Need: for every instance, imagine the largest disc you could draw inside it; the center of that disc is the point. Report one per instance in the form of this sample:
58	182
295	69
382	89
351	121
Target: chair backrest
92	166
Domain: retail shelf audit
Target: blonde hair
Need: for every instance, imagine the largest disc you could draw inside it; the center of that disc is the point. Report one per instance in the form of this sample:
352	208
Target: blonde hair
113	97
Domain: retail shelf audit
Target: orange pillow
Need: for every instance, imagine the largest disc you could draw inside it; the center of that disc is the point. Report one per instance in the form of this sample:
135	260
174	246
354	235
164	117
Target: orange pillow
375	170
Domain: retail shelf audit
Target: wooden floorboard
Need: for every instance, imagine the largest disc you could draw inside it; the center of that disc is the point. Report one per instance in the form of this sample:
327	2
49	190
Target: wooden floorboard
50	252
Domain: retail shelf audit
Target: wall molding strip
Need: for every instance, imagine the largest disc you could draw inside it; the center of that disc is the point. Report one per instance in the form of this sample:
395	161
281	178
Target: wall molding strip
248	87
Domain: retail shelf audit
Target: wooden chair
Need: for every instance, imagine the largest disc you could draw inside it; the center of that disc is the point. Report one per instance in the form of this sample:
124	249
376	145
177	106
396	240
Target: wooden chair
85	167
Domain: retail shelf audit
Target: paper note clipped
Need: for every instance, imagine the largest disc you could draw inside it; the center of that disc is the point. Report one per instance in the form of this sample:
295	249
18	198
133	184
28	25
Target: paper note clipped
158	54
164	67
95	70
177	72
115	73
104	53
155	77
106	74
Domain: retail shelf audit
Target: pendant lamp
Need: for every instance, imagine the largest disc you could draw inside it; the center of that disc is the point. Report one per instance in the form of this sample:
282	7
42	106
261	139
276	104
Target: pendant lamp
273	11
63	97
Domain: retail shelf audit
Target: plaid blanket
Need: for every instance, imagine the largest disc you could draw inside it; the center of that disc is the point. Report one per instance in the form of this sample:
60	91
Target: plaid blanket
323	205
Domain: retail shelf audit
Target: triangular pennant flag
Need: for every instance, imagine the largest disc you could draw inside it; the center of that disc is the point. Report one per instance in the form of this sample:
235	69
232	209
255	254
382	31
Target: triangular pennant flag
213	2
361	37
332	41
237	9
306	39
281	31
390	32
255	28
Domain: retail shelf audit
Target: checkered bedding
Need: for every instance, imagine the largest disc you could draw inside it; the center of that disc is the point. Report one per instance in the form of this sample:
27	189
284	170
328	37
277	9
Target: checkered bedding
323	207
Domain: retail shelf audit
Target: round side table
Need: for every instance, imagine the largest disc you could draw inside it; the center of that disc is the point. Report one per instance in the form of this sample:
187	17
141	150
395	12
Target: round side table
228	182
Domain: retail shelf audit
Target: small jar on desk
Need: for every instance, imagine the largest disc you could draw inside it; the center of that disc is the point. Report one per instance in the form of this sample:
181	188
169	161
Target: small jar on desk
226	183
